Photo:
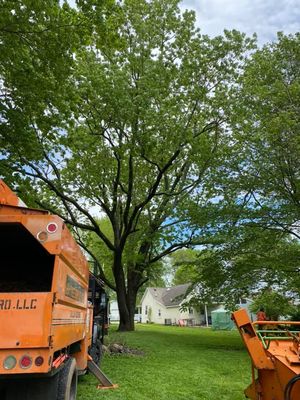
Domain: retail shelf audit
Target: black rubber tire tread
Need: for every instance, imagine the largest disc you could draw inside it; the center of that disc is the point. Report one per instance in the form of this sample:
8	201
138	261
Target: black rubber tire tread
67	384
96	352
29	388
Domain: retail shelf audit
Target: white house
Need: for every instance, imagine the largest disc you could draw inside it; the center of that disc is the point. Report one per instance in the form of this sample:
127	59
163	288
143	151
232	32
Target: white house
114	311
114	315
163	306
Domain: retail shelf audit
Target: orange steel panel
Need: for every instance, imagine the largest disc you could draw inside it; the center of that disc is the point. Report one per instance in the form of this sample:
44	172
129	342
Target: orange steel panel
270	383
241	317
273	383
33	353
257	353
73	256
65	314
24	319
251	340
82	356
70	289
69	325
7	196
36	224
65	335
14	210
69	317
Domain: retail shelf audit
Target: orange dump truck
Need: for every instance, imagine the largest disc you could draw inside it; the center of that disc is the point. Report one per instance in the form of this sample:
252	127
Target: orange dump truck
274	349
47	324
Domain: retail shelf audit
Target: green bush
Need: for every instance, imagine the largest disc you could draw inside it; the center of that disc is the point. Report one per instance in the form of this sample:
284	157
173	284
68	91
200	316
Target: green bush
275	304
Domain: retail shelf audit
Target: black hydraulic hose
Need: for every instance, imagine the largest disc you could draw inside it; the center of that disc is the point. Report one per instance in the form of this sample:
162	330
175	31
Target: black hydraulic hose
289	387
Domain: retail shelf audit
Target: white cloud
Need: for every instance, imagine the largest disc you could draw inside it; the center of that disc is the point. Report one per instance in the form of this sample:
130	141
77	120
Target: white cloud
265	17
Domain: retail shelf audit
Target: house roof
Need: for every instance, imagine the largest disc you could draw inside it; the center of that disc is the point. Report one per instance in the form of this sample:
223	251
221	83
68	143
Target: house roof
171	296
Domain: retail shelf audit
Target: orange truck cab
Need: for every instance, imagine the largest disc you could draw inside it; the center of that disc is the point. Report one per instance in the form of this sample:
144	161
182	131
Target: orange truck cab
47	327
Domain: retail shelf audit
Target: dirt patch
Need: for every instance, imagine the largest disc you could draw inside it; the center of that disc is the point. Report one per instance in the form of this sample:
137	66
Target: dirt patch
119	349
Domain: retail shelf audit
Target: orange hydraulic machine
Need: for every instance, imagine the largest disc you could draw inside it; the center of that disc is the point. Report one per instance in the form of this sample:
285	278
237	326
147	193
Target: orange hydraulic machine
50	306
274	349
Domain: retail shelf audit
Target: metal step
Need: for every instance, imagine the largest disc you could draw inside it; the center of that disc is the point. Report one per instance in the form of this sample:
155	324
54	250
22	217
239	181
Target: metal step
106	383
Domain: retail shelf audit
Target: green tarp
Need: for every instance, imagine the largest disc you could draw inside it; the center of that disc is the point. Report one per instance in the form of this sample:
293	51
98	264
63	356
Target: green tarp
221	320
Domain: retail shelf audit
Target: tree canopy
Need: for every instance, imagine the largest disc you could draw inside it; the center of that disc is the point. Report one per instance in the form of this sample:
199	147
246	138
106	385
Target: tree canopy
134	128
267	135
256	211
251	261
124	113
184	268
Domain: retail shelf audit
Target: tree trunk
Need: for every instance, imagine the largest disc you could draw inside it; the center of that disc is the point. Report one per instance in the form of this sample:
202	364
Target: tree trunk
121	292
126	294
132	289
127	304
126	322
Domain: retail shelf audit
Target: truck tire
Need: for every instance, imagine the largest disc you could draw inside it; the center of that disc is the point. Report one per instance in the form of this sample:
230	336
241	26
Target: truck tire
29	388
96	352
67	384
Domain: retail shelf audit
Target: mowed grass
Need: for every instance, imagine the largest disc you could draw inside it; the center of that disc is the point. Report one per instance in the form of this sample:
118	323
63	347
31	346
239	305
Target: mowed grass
179	363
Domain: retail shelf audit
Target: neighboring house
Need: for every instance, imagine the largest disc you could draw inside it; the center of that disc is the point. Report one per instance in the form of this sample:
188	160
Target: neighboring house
164	306
114	314
114	311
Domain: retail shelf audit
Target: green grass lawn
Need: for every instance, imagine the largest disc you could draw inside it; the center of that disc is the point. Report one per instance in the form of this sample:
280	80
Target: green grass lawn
179	363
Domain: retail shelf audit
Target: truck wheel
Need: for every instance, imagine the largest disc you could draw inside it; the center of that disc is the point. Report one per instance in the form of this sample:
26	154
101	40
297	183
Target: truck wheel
67	384
96	352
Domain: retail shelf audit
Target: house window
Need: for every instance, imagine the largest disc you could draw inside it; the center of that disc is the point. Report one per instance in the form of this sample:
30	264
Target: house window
191	310
146	310
159	313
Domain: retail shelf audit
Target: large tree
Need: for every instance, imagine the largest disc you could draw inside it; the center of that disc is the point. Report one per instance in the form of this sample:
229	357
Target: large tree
267	136
142	124
258	202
